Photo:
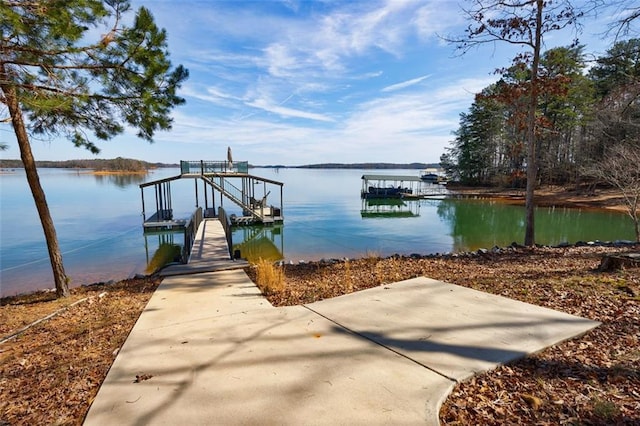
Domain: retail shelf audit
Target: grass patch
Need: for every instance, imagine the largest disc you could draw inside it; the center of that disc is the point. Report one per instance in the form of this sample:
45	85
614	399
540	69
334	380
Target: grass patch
605	410
269	277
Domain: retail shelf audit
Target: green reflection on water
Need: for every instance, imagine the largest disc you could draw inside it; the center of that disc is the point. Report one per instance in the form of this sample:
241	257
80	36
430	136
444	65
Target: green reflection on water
482	223
121	180
259	242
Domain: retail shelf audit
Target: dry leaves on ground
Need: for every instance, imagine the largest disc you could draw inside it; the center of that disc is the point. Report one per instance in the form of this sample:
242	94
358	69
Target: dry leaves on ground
50	373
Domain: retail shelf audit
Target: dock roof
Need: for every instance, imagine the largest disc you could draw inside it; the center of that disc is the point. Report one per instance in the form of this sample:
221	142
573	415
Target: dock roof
404	178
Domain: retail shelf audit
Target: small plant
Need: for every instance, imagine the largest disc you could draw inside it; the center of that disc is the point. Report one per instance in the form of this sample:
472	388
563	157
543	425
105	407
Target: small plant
348	281
604	409
269	278
372	258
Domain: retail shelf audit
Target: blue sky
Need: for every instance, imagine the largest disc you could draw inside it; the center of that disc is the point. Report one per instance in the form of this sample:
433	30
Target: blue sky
300	82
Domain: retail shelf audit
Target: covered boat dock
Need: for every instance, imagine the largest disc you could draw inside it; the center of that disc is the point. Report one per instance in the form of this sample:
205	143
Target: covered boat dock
399	186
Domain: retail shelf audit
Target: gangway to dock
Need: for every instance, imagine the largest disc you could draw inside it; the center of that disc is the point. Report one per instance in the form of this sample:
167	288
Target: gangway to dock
210	252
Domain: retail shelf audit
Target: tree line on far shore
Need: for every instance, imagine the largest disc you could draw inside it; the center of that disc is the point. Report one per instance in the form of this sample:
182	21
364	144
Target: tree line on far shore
118	164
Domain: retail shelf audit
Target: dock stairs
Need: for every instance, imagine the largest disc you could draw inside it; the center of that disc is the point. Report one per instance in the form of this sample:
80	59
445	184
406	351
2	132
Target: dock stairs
237	196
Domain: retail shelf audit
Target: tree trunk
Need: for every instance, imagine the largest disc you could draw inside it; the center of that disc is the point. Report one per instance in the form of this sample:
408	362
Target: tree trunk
614	262
532	163
59	276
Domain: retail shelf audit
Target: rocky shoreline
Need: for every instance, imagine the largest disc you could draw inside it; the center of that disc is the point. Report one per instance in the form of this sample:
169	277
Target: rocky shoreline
513	247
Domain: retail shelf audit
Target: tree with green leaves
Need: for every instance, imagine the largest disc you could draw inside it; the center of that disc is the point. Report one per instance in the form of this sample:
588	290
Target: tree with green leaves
475	157
566	101
616	77
521	23
74	68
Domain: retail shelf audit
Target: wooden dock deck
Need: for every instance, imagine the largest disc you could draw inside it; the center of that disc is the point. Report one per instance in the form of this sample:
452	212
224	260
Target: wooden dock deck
210	252
163	220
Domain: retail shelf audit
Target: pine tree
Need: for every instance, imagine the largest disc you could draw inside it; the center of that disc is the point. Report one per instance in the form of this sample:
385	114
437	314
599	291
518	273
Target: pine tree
58	78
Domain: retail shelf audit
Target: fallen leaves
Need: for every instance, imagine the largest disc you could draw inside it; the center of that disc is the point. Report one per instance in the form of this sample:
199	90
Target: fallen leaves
50	373
142	377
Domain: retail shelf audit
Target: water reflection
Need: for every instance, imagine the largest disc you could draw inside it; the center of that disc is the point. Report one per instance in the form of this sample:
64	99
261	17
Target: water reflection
162	245
120	180
476	223
483	223
99	224
259	242
389	208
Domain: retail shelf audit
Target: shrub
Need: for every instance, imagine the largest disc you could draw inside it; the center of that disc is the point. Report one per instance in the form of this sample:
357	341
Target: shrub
269	277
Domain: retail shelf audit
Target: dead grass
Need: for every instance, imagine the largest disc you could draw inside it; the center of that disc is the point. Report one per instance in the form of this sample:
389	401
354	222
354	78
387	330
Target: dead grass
269	277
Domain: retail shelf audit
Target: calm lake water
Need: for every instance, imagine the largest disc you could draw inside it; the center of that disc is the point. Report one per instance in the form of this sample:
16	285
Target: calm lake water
99	223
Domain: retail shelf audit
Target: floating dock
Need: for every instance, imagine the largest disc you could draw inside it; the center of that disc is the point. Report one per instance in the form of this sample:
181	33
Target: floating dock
215	183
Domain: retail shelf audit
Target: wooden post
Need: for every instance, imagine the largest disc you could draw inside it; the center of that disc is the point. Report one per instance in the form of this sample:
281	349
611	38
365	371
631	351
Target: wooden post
195	183
143	215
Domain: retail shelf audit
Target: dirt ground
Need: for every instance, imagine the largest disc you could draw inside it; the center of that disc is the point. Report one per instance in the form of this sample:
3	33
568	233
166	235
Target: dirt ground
51	371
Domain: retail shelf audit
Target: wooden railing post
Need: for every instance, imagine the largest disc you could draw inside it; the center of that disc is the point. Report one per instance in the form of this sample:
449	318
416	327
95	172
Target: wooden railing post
226	225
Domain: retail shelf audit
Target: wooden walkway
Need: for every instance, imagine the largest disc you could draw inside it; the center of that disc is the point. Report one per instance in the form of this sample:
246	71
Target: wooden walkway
210	252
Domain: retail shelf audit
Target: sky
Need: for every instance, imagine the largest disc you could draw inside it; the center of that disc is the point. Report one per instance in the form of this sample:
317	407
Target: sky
297	82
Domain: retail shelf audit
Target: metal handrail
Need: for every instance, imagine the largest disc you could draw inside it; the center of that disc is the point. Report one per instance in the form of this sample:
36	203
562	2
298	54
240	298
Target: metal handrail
233	193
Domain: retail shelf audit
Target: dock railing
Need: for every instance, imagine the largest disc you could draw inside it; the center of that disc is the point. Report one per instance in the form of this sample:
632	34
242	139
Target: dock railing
228	231
190	233
202	167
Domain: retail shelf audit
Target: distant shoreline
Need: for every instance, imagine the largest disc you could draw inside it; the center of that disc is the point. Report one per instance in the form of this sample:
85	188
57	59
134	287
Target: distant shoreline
100	164
368	166
115	164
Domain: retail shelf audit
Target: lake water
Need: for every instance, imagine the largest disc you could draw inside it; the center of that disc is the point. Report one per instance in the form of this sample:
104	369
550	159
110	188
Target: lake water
99	223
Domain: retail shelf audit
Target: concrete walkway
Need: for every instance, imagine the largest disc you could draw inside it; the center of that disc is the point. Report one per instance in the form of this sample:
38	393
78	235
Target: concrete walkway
210	350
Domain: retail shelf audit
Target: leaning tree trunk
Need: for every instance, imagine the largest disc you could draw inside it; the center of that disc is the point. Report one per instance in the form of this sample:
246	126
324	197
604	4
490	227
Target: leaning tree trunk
532	163
59	276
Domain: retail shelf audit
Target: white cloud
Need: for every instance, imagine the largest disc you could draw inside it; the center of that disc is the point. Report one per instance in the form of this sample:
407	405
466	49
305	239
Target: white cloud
307	82
287	112
405	84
